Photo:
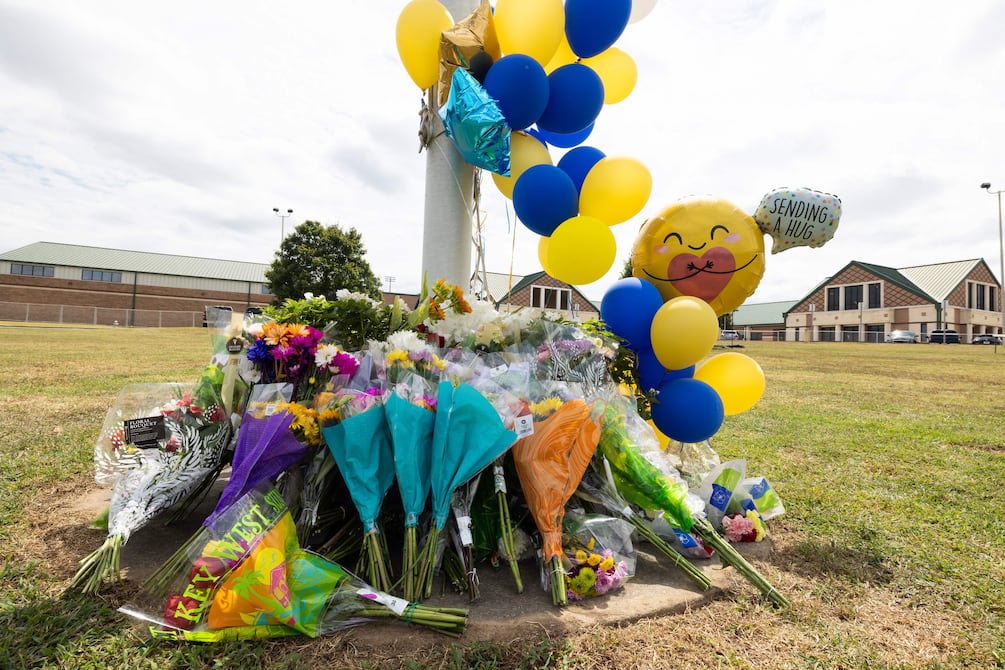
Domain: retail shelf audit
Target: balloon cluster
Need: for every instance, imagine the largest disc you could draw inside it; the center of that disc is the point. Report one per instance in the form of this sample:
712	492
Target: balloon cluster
691	396
549	67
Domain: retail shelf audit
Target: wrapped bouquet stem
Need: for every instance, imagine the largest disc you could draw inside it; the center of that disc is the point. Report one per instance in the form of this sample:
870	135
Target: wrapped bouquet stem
550	463
247	577
467	436
640	482
161	453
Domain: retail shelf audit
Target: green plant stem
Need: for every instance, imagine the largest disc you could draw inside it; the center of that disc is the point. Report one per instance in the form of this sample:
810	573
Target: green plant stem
558	593
376	563
450	621
507	538
99	566
667	550
409	564
730	556
427	563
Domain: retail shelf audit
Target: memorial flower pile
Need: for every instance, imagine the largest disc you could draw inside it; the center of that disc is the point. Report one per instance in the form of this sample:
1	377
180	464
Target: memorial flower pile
458	407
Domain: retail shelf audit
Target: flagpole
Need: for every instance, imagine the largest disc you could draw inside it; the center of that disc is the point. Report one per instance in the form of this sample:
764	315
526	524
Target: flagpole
447	220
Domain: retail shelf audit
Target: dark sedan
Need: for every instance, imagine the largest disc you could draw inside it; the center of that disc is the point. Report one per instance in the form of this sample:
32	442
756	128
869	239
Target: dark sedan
986	339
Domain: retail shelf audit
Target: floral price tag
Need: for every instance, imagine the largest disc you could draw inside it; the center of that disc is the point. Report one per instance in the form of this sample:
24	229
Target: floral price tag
523	425
396	605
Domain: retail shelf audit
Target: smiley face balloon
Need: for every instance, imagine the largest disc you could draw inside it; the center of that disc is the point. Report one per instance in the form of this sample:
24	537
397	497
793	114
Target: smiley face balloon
701	247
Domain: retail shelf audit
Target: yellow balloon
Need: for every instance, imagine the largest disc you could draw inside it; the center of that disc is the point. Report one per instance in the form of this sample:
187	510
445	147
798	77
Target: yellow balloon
737	378
683	331
663	439
542	255
531	27
617	70
615	189
702	247
563	56
581	250
420	25
525	151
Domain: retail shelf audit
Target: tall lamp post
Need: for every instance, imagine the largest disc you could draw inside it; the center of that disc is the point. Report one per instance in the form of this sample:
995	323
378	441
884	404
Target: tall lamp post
1001	253
282	216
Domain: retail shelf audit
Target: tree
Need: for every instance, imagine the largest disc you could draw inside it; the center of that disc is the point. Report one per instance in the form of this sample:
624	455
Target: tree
321	260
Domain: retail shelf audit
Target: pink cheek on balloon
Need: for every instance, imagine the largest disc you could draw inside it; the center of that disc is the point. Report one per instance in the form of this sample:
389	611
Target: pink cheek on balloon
732	237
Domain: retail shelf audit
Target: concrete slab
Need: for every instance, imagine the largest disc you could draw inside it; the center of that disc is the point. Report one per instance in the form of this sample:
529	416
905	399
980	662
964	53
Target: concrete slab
500	613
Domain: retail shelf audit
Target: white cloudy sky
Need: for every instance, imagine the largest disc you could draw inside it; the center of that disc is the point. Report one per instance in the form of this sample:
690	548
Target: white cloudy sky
177	126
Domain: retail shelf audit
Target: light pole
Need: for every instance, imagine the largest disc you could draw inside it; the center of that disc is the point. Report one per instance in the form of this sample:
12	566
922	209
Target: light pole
282	216
390	280
1001	253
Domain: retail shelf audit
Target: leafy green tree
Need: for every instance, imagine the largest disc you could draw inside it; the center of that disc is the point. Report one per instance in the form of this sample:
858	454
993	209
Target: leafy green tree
321	260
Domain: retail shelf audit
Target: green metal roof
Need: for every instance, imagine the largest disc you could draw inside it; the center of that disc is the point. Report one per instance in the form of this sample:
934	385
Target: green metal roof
99	258
761	313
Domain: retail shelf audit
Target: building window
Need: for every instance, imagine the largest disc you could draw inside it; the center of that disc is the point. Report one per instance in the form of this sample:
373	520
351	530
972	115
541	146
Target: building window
981	293
28	270
826	334
875	296
544	297
852	296
833	299
970	295
992	298
266	290
101	275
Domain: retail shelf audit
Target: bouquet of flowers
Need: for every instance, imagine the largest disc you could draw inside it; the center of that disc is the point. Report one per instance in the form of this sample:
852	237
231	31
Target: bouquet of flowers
640	481
410	411
550	462
163	451
247	578
468	435
285	352
599	554
354	426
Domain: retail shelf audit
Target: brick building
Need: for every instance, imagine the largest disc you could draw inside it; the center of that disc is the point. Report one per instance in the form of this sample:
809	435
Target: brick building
67	283
863	302
540	291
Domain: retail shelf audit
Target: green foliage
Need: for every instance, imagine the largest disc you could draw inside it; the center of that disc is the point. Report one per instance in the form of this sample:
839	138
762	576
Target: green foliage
350	319
321	260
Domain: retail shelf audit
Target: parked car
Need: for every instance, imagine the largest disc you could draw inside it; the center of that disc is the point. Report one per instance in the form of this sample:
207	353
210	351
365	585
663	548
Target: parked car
730	335
944	336
908	336
986	339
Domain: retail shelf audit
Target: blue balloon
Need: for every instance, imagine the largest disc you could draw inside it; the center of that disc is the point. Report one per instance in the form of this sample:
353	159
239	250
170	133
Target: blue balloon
578	162
575	98
520	86
544	197
628	308
591	26
565	141
652	374
687	410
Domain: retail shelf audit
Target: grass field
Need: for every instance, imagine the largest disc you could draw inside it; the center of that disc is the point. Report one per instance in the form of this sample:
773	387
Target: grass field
890	460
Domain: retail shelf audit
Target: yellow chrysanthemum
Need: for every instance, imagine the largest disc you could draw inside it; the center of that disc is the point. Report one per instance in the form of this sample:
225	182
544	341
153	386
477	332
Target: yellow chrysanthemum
595	559
607	564
581	556
758	525
397	356
546	407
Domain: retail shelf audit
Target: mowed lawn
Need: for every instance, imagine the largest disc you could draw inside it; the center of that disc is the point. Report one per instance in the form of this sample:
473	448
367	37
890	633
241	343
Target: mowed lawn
890	460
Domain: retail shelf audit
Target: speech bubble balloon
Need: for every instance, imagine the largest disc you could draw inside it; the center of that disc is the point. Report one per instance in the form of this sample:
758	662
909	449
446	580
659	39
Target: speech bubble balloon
798	217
